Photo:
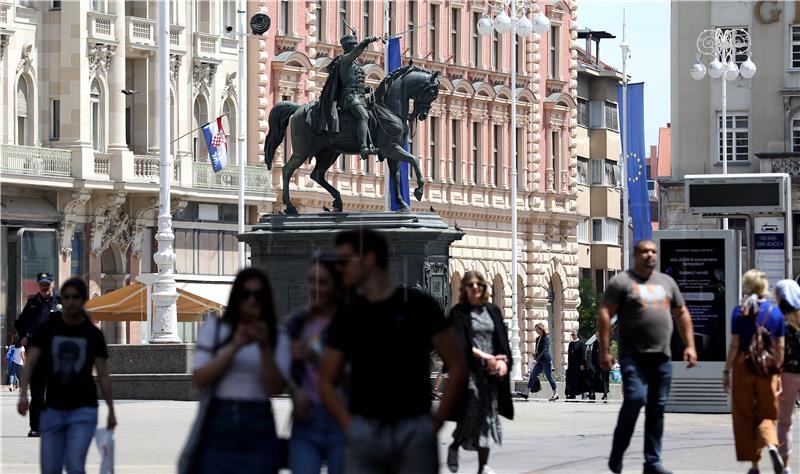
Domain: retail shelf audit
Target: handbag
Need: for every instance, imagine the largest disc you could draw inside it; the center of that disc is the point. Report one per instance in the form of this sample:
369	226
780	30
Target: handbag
537	386
760	355
189	461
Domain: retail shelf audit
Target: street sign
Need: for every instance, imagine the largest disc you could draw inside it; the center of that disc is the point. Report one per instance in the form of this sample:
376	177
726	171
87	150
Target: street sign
770	247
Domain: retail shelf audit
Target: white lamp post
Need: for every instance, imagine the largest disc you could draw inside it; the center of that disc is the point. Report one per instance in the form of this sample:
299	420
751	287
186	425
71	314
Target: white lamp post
723	46
519	25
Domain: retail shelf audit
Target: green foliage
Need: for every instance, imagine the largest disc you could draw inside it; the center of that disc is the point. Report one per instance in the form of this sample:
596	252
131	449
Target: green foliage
588	309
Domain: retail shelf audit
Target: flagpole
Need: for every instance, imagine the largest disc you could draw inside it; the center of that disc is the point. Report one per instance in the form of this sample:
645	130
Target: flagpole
241	125
626	52
386	178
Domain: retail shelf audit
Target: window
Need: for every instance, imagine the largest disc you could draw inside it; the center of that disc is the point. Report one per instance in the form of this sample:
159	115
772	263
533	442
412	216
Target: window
476	41
738	137
200	114
56	5
496	51
23	122
611	173
343	18
411	25
99	6
596	171
583	170
795	49
229	111
390	8
519	48
283	18
583	231
520	148
476	136
498	136
605	231
365	11
455	40
583	112
554	40
454	161
228	18
432	123
796	132
55	119
77	266
343	162
202	16
320	11
433	47
597	230
611	119
555	157
98	116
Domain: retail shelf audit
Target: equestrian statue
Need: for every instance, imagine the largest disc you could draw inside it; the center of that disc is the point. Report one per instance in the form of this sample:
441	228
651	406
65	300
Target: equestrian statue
350	119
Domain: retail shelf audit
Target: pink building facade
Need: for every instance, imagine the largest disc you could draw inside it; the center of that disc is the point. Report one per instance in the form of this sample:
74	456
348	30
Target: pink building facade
464	146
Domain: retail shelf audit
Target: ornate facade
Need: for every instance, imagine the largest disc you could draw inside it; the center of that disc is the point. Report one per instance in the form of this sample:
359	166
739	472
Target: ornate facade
465	144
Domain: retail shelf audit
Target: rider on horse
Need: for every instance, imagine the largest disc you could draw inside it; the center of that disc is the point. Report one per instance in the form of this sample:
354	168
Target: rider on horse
345	88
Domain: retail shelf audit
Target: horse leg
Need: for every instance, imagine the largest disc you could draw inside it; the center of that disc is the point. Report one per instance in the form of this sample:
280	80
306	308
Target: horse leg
396	152
394	170
323	162
288	170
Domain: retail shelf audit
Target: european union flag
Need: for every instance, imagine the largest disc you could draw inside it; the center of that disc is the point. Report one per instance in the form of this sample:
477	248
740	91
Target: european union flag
636	169
394	63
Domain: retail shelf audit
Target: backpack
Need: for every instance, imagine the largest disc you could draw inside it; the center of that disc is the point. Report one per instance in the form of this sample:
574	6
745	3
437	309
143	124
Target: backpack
10	354
760	355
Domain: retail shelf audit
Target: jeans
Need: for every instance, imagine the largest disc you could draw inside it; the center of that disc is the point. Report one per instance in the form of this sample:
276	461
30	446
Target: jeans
543	365
406	446
317	439
645	380
65	439
239	437
14	373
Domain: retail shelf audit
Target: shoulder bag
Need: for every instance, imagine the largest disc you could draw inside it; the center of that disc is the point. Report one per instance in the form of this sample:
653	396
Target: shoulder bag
761	353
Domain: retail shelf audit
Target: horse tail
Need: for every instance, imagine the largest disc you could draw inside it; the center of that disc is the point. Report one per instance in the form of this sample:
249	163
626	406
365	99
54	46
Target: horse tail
278	121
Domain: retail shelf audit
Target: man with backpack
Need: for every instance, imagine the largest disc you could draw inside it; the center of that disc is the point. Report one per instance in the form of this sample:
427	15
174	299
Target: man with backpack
645	302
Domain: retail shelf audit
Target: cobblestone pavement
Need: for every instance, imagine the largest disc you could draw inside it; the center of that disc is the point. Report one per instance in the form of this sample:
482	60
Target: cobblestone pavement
545	437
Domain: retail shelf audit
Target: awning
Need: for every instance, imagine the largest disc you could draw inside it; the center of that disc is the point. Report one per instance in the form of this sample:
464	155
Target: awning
130	304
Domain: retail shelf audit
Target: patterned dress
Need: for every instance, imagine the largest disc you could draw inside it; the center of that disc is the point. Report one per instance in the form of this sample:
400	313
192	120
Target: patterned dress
480	427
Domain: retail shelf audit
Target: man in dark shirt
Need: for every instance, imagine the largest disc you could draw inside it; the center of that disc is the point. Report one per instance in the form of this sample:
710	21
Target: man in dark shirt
385	334
645	302
39	309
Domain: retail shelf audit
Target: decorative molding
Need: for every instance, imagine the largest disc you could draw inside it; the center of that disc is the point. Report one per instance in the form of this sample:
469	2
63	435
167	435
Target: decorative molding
203	77
66	226
175	61
110	224
26	60
4	37
230	87
100	57
437	282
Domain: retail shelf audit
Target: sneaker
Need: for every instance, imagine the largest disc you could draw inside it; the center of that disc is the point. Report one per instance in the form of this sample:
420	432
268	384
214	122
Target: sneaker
33	434
452	458
655	469
553	398
488	470
522	395
777	460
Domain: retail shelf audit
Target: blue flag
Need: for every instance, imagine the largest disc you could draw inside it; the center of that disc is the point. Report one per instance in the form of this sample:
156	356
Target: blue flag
394	63
636	169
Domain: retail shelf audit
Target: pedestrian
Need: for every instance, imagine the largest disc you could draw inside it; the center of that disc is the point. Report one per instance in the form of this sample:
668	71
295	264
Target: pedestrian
316	437
16	363
485	339
543	363
234	359
754	396
787	294
388	330
642	298
576	367
65	350
39	309
598	377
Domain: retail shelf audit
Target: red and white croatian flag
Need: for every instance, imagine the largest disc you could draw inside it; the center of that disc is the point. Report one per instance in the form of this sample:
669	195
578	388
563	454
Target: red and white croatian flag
214	134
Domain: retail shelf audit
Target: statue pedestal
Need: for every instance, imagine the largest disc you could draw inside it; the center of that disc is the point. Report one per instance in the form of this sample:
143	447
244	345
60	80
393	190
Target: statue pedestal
419	250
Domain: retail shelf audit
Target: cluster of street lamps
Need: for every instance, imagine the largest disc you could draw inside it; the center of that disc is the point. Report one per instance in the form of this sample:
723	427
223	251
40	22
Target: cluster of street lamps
512	15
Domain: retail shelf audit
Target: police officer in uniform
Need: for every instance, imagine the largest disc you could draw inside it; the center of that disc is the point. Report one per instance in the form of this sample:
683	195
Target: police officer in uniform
42	306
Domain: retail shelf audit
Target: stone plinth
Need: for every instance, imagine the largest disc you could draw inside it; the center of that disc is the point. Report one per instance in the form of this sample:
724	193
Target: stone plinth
152	371
419	250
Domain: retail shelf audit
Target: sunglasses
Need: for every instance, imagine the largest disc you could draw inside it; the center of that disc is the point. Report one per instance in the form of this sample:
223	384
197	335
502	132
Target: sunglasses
70	297
475	284
247	294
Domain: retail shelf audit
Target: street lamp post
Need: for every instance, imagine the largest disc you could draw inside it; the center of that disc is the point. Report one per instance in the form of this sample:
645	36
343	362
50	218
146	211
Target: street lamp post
625	49
723	45
519	25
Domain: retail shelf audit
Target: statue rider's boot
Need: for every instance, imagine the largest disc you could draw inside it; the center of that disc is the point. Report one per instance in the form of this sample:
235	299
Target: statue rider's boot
366	149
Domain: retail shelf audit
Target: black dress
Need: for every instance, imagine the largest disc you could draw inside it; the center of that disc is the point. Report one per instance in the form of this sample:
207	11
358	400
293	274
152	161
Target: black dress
576	369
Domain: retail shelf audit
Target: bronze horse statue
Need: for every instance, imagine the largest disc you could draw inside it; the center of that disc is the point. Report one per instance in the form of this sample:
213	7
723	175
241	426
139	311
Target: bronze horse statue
388	126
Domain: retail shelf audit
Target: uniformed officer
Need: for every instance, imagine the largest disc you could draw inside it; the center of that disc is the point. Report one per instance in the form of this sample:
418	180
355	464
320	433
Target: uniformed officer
42	306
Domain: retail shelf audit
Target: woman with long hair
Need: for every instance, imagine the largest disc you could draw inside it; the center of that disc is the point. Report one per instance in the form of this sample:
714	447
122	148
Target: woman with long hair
234	358
787	294
754	397
66	349
542	364
316	437
480	325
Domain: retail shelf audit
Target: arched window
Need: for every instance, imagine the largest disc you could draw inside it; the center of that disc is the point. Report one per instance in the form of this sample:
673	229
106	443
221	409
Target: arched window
199	150
796	132
23	121
229	122
97	108
497	292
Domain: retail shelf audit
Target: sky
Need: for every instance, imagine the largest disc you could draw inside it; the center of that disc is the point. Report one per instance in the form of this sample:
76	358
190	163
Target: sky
648	24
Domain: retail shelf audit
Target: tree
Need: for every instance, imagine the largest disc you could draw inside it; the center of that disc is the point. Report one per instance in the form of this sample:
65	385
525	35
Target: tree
588	309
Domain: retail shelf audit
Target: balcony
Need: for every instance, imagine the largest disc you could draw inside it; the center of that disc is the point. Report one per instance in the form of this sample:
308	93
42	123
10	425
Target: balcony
206	46
101	27
176	37
258	179
141	32
35	161
102	164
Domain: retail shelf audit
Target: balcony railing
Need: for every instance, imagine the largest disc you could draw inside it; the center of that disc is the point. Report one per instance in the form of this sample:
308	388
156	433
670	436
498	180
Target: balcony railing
102	164
206	45
146	167
175	33
35	161
5	13
141	31
258	179
101	26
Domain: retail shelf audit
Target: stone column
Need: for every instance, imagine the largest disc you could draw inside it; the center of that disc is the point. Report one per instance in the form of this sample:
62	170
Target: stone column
122	158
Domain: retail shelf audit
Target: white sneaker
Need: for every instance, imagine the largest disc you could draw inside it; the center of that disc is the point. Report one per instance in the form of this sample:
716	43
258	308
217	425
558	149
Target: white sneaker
488	470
